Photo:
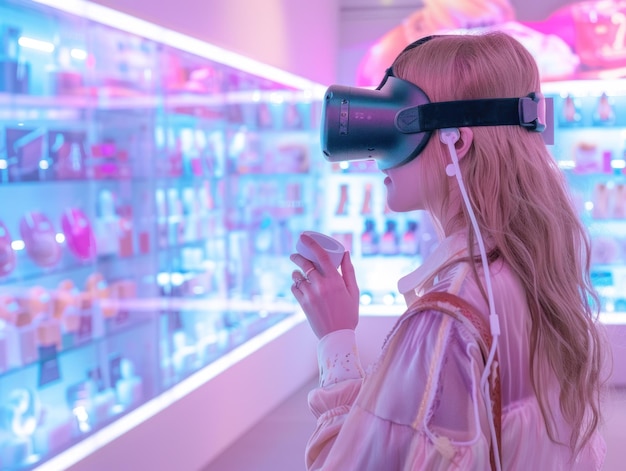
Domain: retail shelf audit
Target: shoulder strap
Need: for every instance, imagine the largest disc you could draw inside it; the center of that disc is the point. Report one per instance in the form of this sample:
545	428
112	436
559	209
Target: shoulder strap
467	314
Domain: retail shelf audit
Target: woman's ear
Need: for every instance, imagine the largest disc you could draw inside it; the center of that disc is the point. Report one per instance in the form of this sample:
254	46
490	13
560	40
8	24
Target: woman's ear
463	144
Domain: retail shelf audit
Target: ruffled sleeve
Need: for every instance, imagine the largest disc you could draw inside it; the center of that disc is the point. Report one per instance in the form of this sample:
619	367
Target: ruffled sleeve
418	409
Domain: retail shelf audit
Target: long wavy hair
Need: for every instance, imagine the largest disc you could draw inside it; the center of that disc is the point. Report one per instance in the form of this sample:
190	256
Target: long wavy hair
523	207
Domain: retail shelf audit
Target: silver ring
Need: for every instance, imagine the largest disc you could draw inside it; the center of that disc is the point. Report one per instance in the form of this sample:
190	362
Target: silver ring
297	283
306	273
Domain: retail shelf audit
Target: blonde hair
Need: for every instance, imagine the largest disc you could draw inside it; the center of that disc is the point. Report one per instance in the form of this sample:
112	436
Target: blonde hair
522	204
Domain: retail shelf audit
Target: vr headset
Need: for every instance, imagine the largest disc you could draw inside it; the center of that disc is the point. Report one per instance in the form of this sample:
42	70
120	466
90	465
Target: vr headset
392	124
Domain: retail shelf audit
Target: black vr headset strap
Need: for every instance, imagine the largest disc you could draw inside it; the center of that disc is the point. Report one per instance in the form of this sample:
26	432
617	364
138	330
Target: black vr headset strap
485	112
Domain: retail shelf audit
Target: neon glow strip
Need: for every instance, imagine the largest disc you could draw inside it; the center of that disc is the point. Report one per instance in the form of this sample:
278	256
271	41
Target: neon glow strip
585	87
78	54
37	44
130	24
102	437
618	163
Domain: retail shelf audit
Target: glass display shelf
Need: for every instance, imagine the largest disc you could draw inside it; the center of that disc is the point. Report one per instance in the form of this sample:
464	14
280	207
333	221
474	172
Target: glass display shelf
152	188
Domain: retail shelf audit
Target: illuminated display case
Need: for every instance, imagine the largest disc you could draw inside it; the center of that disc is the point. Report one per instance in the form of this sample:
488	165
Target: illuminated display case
590	148
151	188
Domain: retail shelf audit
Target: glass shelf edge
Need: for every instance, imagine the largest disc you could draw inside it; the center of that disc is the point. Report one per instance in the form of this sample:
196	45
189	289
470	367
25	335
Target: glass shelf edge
141	414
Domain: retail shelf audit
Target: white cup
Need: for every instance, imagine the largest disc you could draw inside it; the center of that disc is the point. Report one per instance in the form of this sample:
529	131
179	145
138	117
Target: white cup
330	245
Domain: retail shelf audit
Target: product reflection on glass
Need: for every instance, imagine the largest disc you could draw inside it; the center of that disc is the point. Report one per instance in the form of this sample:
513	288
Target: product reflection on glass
21	415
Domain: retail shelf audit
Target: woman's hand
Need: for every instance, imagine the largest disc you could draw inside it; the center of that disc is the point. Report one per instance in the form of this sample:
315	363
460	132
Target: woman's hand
329	299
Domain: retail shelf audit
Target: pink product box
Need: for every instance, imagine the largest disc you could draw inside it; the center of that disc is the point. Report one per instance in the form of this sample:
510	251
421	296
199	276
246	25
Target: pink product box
26	154
67	150
108	161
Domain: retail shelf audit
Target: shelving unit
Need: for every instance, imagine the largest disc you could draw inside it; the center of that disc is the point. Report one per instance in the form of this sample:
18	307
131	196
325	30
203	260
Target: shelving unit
152	187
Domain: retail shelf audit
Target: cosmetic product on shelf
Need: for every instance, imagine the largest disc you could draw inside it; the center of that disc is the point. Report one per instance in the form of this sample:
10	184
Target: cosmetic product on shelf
26	154
67	151
4	345
128	386
369	239
21	415
65	301
191	213
619	201
342	206
79	398
39	236
25	335
389	240
366	208
48	331
10	344
79	235
409	244
103	397
14	72
184	354
104	310
126	230
107	224
587	157
7	254
175	217
31	305
601	200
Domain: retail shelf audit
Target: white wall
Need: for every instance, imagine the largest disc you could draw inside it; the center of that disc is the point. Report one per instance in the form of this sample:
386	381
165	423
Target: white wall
294	35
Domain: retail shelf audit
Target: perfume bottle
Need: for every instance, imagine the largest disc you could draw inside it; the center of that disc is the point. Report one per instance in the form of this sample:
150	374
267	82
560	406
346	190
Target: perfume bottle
107	224
342	207
366	208
389	241
65	309
369	239
409	244
9	312
129	386
7	254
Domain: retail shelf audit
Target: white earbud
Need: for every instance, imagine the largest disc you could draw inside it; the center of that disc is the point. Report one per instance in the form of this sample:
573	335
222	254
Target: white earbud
449	135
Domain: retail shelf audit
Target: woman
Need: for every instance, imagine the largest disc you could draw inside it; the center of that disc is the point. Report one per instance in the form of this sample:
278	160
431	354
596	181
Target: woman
425	404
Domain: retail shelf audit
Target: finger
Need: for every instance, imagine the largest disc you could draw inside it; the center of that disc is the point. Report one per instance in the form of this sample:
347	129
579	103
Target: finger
323	259
303	263
297	293
349	276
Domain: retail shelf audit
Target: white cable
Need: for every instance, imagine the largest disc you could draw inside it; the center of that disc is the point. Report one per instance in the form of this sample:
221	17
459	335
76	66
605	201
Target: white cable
449	137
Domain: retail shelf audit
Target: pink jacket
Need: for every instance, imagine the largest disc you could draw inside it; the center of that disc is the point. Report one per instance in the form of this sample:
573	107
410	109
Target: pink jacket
419	407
